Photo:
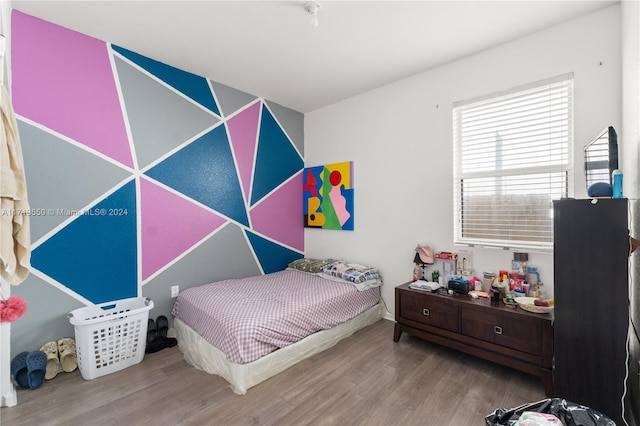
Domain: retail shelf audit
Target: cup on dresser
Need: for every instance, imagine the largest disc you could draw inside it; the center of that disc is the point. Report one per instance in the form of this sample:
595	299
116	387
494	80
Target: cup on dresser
495	294
519	292
502	289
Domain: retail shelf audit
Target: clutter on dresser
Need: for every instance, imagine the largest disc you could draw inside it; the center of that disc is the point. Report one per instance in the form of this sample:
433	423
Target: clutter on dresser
519	281
487	280
449	261
425	285
495	295
422	257
418	272
459	285
464	264
519	263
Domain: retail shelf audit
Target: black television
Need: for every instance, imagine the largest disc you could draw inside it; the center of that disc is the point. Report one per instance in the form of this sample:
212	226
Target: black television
601	157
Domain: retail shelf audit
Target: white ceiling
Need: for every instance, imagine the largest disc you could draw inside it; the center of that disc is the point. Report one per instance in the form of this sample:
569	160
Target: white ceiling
269	48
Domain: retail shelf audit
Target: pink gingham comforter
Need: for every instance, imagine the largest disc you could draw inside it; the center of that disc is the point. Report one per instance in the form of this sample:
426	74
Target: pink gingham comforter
251	317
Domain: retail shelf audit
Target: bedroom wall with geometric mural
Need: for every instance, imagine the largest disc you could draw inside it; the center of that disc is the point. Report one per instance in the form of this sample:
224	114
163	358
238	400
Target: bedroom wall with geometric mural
142	176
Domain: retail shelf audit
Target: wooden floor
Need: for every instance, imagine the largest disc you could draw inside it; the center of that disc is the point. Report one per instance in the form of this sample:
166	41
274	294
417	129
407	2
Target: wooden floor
366	379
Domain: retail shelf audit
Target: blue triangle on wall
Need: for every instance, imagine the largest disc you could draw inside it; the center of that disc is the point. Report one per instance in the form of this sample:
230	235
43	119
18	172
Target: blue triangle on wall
272	257
276	160
205	171
194	86
95	255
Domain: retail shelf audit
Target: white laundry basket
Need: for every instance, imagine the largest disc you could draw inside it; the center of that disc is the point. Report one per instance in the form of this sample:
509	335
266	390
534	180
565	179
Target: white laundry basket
110	336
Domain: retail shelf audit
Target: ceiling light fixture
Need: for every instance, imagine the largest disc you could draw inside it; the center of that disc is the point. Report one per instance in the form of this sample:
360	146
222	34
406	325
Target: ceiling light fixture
312	7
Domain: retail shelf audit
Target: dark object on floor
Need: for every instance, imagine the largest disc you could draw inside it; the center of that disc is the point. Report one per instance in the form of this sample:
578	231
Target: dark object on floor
162	324
160	343
570	414
19	370
36	368
157	338
152	332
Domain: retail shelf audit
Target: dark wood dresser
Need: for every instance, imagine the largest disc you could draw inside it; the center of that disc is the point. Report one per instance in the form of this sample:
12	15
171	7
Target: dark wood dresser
492	331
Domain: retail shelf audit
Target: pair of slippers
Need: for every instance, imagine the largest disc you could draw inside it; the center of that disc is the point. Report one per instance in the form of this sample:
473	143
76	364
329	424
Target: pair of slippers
28	369
60	353
157	335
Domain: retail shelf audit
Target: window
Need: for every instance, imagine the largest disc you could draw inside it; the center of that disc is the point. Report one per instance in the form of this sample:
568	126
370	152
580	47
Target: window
512	157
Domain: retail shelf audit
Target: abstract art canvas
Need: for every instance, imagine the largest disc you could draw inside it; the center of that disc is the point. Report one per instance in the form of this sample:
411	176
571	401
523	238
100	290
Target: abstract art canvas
328	196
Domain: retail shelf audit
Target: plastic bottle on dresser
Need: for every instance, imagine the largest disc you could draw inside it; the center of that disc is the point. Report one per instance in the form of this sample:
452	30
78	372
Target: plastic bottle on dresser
616	177
506	283
503	286
477	284
537	290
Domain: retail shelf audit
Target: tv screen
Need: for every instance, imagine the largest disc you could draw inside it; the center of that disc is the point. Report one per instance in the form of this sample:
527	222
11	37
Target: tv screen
601	157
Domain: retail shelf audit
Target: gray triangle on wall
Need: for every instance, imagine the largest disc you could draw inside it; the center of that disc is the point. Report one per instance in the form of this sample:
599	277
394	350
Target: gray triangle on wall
74	180
160	119
230	99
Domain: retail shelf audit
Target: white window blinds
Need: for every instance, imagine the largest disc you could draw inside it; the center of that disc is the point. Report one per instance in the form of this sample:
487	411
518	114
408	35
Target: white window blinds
512	157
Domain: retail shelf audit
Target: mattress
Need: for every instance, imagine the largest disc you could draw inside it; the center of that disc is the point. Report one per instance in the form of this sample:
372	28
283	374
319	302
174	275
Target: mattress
206	357
249	318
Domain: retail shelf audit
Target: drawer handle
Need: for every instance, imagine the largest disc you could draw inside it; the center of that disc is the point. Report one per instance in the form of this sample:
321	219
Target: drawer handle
426	312
497	329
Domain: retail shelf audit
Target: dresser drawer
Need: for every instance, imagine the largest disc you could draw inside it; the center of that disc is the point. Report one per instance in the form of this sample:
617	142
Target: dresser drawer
428	310
522	334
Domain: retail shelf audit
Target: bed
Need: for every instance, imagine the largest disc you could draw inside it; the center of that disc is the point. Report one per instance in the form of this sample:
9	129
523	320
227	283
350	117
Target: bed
247	330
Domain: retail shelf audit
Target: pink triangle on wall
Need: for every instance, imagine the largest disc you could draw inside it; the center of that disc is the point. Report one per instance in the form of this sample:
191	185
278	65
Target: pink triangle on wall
280	215
243	130
170	225
63	80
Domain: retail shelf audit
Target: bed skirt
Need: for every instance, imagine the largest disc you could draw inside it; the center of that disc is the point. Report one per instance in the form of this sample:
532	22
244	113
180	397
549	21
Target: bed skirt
204	356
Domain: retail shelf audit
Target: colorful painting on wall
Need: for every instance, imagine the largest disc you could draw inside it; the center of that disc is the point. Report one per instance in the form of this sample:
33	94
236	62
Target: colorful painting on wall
328	196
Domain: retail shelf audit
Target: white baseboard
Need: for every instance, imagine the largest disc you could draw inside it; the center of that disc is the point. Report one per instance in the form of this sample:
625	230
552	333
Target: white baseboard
9	398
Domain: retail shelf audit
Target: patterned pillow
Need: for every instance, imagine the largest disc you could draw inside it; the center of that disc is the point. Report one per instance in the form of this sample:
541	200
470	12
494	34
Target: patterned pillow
351	272
310	265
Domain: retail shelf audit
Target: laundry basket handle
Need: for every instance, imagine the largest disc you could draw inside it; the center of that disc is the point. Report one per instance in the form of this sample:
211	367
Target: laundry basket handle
101	315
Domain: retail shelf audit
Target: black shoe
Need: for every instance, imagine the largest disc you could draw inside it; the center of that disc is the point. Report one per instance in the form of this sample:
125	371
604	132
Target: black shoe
162	324
169	342
160	343
152	332
157	340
